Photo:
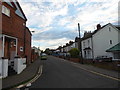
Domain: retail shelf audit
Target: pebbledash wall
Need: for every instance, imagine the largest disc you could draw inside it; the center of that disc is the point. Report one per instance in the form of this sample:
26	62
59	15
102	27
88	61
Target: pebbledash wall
15	26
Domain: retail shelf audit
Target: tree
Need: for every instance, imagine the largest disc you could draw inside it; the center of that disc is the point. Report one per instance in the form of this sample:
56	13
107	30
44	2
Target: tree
47	51
74	52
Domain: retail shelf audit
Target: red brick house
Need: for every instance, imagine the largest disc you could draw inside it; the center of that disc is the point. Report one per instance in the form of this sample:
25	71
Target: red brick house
16	37
35	53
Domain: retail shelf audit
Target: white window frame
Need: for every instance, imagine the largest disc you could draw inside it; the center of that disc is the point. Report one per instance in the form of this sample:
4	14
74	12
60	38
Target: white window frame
5	10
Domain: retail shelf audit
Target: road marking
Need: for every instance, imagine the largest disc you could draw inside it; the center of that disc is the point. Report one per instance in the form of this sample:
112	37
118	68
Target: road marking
39	73
97	73
94	72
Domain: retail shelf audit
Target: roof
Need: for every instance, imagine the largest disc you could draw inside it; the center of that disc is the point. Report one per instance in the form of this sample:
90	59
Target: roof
114	48
28	31
88	48
95	31
8	2
118	27
16	5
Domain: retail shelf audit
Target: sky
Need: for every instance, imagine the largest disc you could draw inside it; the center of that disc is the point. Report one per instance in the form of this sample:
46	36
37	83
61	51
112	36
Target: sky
55	22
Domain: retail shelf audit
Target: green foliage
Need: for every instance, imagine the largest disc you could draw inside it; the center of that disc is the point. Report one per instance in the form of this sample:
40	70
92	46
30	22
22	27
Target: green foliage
47	51
74	52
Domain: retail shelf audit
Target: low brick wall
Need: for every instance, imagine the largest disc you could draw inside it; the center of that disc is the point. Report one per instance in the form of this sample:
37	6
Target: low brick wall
74	60
113	65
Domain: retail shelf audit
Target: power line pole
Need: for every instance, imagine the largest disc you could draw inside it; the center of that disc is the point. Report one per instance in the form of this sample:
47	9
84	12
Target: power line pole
80	48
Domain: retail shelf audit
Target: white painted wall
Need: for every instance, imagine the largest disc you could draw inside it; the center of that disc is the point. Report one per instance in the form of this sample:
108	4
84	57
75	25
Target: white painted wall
3	68
85	44
76	45
101	41
0	51
19	65
73	45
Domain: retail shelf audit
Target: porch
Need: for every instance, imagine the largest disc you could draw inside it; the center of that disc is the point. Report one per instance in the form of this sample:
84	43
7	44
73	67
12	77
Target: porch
115	51
9	64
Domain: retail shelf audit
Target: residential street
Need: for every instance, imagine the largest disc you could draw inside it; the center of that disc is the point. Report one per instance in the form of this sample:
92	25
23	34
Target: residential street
59	44
58	73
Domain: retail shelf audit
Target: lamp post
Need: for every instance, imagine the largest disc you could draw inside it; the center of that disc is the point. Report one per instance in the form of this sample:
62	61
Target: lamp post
80	48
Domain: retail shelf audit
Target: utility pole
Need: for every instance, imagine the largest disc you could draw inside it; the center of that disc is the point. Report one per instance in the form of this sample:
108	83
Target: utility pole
80	49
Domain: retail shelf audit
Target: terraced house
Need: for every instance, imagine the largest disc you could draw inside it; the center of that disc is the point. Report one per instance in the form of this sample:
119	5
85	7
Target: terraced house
16	37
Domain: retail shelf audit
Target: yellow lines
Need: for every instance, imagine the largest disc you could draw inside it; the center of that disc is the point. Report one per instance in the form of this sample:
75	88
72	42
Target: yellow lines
39	73
97	73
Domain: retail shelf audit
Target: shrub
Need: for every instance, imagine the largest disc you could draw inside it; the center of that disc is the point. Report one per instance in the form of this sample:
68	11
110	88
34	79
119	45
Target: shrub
74	52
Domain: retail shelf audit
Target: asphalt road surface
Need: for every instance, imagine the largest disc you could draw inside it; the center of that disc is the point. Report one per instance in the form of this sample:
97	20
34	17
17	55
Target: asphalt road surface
58	73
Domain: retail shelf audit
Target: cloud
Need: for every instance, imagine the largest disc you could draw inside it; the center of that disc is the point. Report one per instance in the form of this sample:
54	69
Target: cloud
56	21
51	43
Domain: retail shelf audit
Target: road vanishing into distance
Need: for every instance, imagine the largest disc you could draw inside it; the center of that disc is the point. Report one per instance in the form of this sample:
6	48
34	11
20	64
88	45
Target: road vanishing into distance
59	73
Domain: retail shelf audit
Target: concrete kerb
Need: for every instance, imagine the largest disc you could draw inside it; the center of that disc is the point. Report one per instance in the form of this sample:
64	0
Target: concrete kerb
92	71
24	83
38	74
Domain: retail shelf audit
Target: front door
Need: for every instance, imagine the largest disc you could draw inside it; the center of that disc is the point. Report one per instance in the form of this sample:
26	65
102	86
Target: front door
7	48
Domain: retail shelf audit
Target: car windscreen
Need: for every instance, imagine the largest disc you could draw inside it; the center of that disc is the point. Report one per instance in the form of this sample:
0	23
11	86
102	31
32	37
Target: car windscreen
43	54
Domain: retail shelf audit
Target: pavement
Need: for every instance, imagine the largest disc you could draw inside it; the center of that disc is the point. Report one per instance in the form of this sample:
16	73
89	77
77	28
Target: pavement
32	70
26	75
90	68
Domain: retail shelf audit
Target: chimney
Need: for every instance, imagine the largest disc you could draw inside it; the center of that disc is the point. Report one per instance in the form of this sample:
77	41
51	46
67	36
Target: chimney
98	26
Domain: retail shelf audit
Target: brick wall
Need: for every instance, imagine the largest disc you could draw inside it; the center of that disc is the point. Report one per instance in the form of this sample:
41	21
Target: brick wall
13	26
28	45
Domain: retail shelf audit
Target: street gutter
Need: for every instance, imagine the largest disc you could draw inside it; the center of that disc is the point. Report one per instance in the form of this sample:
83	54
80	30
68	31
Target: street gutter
39	73
24	83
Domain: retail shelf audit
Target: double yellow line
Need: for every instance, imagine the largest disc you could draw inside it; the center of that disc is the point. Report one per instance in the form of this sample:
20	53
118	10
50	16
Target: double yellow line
97	73
39	73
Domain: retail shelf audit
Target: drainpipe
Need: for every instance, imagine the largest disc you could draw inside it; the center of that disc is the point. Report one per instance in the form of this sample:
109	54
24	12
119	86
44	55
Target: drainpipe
24	36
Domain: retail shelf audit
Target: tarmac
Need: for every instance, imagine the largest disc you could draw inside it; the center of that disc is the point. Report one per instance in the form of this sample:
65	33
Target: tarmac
33	68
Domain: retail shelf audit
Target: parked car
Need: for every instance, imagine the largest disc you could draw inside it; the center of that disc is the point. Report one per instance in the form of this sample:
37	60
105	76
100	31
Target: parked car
103	58
43	56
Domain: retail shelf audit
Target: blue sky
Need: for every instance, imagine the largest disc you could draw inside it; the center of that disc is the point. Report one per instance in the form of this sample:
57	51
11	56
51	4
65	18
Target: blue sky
55	21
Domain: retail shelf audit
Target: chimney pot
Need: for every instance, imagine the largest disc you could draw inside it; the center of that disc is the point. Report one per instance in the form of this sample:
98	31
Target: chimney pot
98	26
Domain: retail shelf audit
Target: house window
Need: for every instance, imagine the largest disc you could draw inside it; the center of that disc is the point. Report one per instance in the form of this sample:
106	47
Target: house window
84	44
88	52
109	29
6	10
110	41
88	42
85	54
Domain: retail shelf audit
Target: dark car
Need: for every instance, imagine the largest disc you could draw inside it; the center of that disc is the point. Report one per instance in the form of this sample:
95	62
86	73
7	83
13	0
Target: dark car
103	59
43	56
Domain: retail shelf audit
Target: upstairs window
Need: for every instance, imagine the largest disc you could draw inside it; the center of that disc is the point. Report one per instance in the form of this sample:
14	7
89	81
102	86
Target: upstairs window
110	41
5	10
84	44
109	29
88	43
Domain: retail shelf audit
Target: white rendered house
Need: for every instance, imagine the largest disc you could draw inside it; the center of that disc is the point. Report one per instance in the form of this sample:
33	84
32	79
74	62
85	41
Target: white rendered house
100	41
105	38
87	49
